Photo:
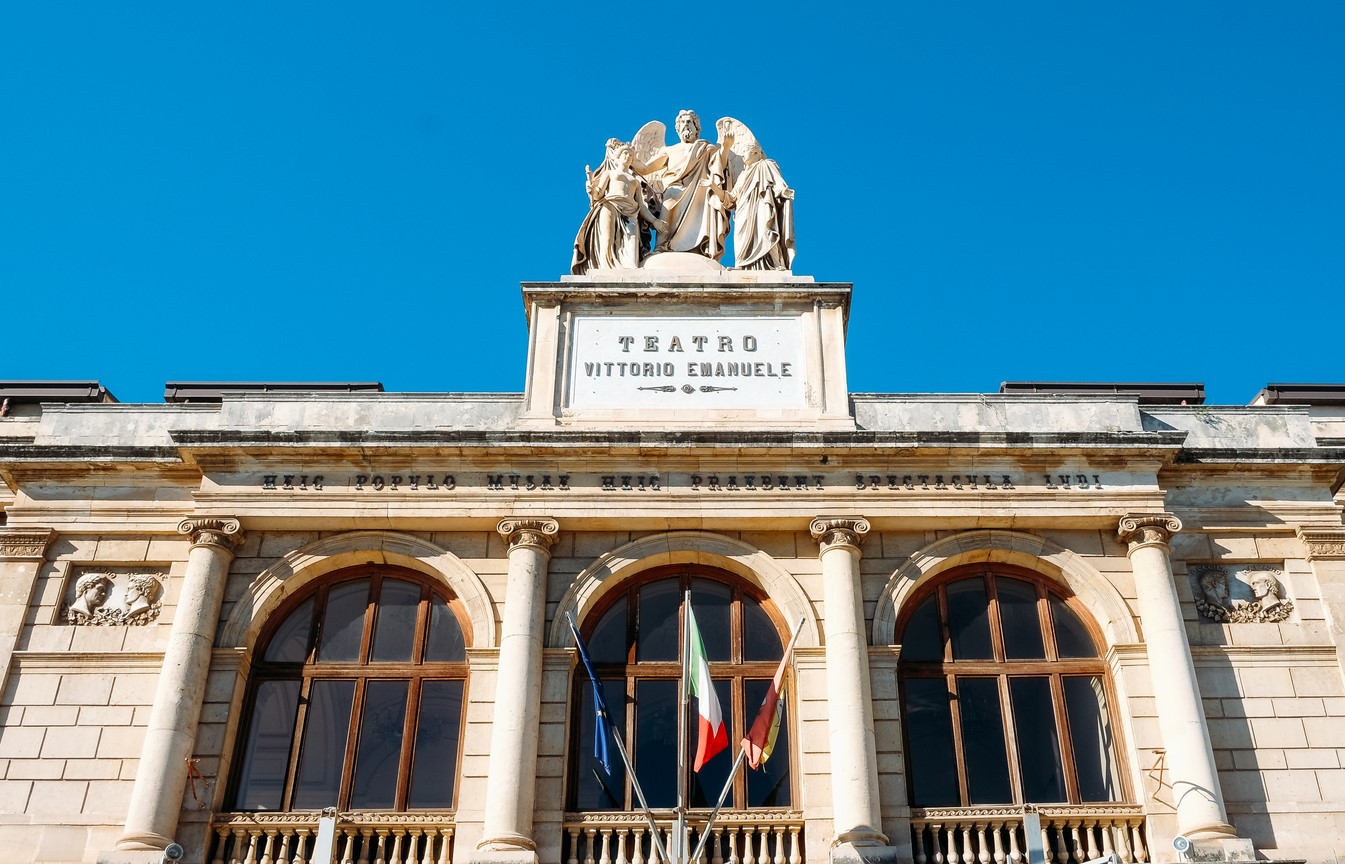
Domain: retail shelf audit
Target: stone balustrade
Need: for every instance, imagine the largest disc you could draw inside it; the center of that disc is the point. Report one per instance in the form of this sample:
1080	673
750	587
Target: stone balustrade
737	837
980	835
422	837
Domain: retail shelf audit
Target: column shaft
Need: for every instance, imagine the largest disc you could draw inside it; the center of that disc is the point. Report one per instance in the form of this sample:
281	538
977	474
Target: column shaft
1181	715
156	798
511	785
854	763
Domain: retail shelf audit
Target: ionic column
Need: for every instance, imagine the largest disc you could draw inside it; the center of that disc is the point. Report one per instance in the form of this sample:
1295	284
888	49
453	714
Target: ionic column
156	798
518	692
854	763
1181	717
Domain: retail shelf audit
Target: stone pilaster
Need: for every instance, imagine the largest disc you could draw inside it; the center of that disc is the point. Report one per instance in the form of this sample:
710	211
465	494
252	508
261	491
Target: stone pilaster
156	798
22	553
511	786
1324	549
854	762
1201	815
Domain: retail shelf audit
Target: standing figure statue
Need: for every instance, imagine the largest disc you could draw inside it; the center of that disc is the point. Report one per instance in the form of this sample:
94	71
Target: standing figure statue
609	237
763	221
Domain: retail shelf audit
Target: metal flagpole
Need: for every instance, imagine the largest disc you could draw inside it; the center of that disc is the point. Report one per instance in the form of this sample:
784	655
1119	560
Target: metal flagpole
728	782
680	843
639	794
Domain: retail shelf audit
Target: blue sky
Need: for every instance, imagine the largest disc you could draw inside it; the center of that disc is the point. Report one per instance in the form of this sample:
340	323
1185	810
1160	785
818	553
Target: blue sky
338	191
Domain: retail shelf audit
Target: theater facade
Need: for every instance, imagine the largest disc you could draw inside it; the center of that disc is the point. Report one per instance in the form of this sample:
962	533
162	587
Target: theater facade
1098	619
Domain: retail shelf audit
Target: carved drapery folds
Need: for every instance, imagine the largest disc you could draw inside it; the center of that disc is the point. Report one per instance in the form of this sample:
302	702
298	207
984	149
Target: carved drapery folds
25	544
538	533
221	533
1138	530
832	532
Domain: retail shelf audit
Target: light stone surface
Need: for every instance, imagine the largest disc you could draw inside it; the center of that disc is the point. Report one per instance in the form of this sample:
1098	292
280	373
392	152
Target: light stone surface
1253	487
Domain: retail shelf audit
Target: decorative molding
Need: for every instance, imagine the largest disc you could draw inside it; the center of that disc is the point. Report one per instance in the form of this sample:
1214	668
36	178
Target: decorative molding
25	544
308	819
83	661
1138	530
104	597
1324	544
220	533
535	533
834	532
973	814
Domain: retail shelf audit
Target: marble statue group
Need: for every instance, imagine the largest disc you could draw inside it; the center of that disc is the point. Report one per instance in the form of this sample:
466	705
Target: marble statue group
649	197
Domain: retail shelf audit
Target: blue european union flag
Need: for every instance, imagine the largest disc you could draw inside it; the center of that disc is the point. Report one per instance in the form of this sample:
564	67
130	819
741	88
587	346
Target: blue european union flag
602	727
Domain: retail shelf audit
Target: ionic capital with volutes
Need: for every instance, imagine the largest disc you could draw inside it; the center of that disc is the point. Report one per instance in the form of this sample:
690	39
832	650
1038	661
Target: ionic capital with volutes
25	544
836	532
1139	530
213	531
539	534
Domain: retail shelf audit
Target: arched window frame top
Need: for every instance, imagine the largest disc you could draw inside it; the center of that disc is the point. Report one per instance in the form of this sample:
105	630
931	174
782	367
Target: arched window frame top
991	686
304	696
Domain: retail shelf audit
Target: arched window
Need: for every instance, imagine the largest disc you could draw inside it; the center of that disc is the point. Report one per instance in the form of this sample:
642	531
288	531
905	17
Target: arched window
1005	698
635	638
355	699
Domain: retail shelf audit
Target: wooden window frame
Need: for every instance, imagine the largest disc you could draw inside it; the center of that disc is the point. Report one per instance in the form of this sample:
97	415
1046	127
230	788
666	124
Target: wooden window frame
737	670
1052	667
361	672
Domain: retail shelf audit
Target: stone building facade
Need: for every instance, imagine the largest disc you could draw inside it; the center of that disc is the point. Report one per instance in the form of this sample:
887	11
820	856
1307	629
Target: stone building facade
1116	615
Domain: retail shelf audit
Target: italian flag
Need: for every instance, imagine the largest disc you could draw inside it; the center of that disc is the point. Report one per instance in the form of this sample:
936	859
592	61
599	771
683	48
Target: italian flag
713	736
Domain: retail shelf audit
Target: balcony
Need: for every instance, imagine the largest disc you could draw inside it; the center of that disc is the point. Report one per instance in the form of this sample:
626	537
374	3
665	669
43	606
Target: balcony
420	837
737	837
1069	833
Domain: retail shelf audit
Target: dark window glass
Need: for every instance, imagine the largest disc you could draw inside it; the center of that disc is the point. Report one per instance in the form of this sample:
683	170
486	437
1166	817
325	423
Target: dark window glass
323	754
446	643
767	786
380	748
290	642
1072	638
656	708
983	741
395	630
761	641
596	789
1019	620
1026	728
657	622
373	712
929	741
969	620
923	642
436	753
1038	741
343	625
1090	734
634	637
711	600
609	643
266	757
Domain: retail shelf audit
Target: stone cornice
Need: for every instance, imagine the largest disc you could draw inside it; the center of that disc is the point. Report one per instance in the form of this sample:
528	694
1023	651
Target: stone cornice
536	533
841	531
1323	544
215	532
1138	530
25	544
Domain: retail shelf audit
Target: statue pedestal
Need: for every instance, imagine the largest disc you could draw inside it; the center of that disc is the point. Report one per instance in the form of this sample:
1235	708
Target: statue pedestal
680	348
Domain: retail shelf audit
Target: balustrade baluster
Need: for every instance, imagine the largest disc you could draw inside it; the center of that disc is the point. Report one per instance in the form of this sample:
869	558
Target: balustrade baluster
764	849
348	856
717	851
267	857
605	856
983	850
779	845
284	855
1105	829
444	852
1061	848
1015	854
399	849
381	855
749	854
300	855
997	835
428	856
592	834
366	844
1121	837
223	840
1080	851
1137	845
574	846
1090	831
654	836
968	854
733	847
621	846
918	842
250	857
794	856
637	856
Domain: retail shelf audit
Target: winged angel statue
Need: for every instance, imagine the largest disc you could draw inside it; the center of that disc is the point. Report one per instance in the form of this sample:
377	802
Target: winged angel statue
649	197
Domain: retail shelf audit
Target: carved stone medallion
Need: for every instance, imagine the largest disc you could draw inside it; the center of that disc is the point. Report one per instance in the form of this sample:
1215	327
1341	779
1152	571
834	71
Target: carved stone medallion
1240	593
106	596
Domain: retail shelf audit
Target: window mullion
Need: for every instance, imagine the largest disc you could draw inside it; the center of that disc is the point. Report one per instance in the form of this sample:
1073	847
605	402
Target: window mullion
352	744
401	797
1011	740
300	719
992	614
1066	743
959	752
